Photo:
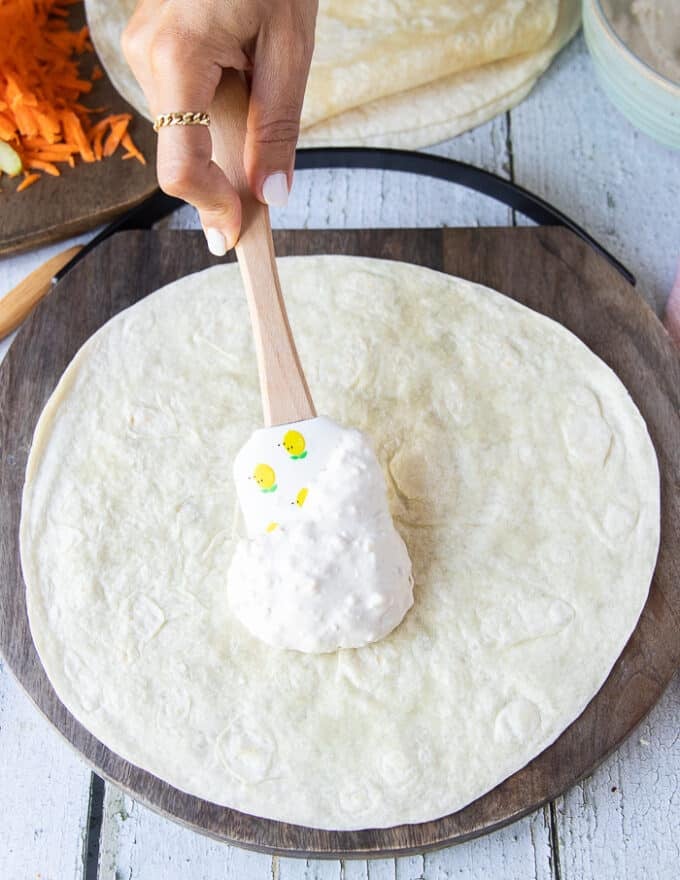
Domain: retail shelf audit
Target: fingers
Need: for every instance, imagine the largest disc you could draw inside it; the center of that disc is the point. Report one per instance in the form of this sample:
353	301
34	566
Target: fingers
180	72
178	50
186	170
184	164
282	58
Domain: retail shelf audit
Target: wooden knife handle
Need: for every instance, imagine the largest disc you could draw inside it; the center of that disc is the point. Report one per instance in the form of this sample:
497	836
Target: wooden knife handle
283	387
17	305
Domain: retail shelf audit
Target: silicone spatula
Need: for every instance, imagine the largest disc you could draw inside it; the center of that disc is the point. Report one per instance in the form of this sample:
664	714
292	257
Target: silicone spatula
274	469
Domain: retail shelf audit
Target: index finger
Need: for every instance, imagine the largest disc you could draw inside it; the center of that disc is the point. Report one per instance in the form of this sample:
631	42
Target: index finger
186	170
184	164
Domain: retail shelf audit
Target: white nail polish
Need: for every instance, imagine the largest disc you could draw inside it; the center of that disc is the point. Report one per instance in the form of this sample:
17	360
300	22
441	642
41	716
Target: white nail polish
275	190
217	243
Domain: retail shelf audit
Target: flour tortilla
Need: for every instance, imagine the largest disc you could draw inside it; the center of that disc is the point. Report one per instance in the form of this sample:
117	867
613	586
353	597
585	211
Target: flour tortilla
416	110
364	51
107	20
443	109
521	477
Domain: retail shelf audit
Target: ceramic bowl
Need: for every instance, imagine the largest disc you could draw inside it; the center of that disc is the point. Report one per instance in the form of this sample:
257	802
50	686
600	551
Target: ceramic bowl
648	99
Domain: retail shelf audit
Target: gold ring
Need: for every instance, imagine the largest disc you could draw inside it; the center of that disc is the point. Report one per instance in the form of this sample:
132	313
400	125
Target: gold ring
189	118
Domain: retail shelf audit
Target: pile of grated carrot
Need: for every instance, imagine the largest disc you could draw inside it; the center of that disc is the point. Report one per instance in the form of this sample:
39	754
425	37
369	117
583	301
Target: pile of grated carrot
42	120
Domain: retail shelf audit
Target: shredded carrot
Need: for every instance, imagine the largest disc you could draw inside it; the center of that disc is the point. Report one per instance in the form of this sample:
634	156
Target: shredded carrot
53	152
48	156
112	142
132	151
29	180
47	167
97	143
41	114
75	134
7	127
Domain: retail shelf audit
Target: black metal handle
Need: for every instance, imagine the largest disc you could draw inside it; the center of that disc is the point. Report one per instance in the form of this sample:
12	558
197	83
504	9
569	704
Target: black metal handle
505	191
477	179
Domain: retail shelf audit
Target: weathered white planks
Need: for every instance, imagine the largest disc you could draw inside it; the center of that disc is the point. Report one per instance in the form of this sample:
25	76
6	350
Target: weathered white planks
340	198
564	142
571	146
624	821
377	198
138	844
518	852
44	790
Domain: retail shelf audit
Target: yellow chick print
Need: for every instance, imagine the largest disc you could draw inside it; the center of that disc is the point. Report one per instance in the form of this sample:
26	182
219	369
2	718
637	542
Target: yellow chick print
265	477
301	497
294	444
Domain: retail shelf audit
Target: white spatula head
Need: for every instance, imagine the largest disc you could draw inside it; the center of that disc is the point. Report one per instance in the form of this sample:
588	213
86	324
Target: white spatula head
275	468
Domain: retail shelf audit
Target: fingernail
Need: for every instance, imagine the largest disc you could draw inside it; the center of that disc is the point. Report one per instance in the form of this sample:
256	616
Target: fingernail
275	190
217	243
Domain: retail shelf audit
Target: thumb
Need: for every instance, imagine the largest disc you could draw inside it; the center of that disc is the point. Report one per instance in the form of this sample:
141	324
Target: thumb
277	90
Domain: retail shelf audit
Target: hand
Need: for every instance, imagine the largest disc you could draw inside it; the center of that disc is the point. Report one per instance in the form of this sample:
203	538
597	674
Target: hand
178	49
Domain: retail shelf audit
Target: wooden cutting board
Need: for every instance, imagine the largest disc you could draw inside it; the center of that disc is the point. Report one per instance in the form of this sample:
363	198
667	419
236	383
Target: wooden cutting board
548	269
84	196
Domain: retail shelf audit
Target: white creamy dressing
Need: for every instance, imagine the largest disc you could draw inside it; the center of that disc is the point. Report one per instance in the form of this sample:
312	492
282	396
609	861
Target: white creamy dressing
651	28
337	575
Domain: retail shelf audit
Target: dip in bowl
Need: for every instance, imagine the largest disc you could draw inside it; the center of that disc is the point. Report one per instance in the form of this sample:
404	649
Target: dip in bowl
635	45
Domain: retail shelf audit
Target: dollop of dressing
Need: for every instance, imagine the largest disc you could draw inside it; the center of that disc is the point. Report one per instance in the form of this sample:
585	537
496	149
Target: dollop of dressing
338	574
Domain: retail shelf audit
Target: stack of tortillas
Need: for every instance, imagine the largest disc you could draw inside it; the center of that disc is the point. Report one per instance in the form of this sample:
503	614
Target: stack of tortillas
403	74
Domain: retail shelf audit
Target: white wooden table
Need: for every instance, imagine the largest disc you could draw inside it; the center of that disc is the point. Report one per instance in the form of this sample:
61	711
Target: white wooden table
566	143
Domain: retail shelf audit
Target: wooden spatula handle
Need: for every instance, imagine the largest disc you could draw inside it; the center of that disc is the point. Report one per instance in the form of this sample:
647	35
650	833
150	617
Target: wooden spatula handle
285	395
18	303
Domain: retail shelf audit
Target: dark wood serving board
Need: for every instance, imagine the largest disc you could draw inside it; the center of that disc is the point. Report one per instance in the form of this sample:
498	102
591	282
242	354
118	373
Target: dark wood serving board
548	269
84	196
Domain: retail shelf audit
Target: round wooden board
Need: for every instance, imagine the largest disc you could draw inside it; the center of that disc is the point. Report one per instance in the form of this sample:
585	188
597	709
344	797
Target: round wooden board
549	270
87	195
